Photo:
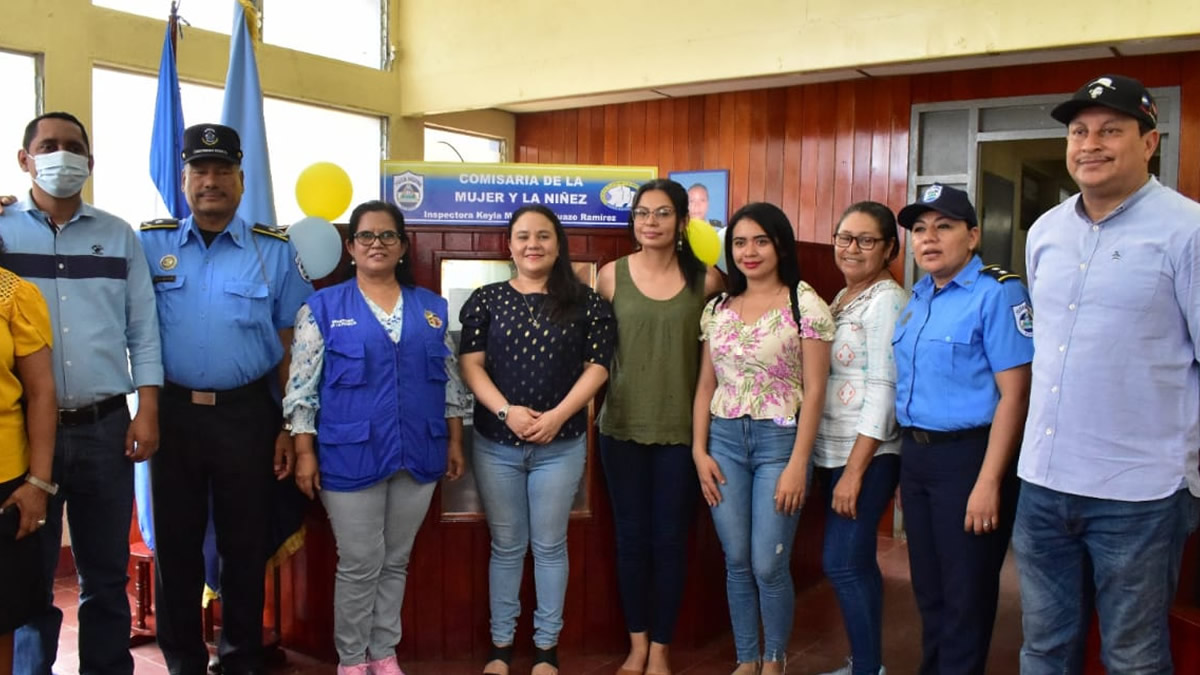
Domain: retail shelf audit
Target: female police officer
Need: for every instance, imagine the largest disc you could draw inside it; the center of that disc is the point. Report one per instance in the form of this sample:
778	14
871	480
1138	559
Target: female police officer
963	347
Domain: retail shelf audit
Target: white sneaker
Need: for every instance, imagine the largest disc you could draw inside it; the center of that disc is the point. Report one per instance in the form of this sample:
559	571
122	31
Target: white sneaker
848	669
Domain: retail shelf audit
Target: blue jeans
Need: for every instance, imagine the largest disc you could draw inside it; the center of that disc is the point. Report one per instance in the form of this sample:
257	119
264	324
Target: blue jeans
653	490
1126	553
527	494
756	538
849	560
96	484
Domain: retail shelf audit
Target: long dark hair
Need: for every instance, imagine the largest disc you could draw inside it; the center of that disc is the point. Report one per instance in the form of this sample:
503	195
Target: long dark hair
884	218
689	265
404	273
564	291
779	229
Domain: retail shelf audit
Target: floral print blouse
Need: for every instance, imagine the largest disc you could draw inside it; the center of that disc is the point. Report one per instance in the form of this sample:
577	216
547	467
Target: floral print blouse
758	366
302	401
861	395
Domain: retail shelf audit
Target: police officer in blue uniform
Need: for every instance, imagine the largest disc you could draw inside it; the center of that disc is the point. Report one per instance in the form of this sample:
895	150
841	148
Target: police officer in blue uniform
227	293
963	346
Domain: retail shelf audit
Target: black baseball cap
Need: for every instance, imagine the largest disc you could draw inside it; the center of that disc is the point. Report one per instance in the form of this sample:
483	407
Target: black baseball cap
1120	93
212	141
946	200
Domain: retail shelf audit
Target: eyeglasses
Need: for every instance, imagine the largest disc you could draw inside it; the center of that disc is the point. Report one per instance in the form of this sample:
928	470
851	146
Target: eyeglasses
661	213
865	241
387	238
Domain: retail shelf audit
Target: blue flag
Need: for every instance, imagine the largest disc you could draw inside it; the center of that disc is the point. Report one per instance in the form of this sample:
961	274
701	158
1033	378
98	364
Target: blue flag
166	139
243	110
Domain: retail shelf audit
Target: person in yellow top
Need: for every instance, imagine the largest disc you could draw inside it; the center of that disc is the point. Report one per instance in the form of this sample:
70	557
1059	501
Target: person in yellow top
26	450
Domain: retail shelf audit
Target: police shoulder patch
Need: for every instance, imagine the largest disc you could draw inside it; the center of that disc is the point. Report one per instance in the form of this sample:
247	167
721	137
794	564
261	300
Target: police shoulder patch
1000	274
269	231
160	224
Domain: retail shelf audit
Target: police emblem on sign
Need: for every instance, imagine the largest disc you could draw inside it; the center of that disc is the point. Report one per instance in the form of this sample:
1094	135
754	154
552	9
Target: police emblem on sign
618	195
408	190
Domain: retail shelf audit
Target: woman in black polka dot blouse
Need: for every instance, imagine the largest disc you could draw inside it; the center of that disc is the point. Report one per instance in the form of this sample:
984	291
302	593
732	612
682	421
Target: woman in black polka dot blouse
535	349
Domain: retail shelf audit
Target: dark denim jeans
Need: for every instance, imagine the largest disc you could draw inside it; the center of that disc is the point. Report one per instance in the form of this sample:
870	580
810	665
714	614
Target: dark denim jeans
850	563
96	485
1124	557
654	490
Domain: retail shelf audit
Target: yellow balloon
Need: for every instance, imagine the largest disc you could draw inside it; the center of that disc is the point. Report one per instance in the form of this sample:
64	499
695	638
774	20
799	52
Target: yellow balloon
704	241
323	190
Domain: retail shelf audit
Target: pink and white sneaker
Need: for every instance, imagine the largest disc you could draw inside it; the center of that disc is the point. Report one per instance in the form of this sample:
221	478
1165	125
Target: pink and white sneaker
388	666
356	669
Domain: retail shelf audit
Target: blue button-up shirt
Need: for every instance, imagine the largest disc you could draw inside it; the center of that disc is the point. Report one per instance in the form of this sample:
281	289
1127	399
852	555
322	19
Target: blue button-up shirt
1114	412
221	307
94	277
949	345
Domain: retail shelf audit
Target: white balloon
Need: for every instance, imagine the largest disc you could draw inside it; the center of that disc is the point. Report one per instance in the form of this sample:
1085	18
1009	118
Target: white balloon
318	246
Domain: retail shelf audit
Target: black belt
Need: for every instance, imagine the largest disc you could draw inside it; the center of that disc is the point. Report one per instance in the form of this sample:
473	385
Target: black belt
213	398
90	414
927	437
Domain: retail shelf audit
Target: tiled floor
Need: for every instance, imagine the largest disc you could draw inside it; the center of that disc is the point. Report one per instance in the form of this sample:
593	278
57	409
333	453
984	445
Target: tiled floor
818	641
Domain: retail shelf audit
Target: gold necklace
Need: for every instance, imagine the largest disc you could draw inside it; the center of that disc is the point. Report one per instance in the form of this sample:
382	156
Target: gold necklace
533	318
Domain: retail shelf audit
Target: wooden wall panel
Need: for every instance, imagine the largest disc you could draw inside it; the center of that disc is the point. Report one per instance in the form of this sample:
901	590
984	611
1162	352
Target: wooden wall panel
815	149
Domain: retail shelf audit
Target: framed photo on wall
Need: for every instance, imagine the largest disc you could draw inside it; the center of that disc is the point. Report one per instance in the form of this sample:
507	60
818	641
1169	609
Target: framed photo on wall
708	194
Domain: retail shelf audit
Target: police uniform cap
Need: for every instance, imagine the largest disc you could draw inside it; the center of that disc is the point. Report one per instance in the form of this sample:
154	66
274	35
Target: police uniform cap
946	200
1117	92
212	141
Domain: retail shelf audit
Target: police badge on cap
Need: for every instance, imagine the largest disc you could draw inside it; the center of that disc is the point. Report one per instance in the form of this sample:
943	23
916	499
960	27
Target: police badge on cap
212	141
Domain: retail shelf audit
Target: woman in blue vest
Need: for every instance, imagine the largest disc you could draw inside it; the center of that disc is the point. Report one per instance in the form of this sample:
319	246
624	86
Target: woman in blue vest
535	350
963	346
374	378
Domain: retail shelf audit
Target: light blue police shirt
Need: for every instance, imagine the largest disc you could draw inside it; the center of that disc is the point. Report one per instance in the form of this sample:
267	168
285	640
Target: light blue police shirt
93	275
950	344
221	307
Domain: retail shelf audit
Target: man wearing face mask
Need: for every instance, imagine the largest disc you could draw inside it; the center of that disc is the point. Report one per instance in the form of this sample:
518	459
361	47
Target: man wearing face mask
90	267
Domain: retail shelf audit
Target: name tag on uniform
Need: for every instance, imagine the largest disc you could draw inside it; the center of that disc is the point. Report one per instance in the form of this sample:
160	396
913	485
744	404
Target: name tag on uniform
163	278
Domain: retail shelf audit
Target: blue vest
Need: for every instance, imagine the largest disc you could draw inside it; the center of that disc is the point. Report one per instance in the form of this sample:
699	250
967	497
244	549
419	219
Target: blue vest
383	404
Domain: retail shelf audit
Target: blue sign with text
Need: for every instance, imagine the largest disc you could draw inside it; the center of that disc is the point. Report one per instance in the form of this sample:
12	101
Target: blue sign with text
443	193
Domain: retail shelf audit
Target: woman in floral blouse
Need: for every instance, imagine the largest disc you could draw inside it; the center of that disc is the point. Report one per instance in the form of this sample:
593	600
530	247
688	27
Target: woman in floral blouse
858	445
758	403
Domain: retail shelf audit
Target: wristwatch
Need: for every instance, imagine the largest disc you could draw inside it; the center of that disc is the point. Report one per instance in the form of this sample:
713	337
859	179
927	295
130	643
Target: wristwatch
502	414
49	488
287	426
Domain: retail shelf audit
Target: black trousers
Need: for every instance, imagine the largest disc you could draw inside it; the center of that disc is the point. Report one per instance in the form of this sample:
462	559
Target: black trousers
955	575
226	450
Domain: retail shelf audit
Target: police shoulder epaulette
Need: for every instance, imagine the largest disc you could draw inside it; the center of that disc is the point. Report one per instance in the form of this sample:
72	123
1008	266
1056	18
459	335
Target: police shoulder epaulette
269	231
1000	274
161	224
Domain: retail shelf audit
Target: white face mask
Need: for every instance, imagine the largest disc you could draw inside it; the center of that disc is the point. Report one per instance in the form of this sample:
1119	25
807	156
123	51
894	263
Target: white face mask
61	173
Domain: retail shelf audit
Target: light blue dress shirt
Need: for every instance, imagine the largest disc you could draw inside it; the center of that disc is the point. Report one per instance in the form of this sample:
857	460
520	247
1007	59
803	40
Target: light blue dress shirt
1114	412
949	345
221	307
94	277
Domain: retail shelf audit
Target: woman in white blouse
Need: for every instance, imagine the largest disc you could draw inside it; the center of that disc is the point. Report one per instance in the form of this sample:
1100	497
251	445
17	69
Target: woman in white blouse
858	444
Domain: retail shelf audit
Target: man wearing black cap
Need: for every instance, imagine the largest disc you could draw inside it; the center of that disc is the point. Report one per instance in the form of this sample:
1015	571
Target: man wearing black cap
228	292
1109	461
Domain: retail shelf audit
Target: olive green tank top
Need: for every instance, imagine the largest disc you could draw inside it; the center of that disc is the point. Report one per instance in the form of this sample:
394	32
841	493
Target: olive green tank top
654	371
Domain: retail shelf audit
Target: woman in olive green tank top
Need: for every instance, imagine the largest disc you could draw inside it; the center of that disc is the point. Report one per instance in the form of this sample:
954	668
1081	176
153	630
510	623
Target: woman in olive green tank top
657	293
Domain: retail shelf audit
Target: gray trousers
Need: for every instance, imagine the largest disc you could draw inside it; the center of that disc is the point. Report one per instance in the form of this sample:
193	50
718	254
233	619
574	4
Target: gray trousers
375	528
